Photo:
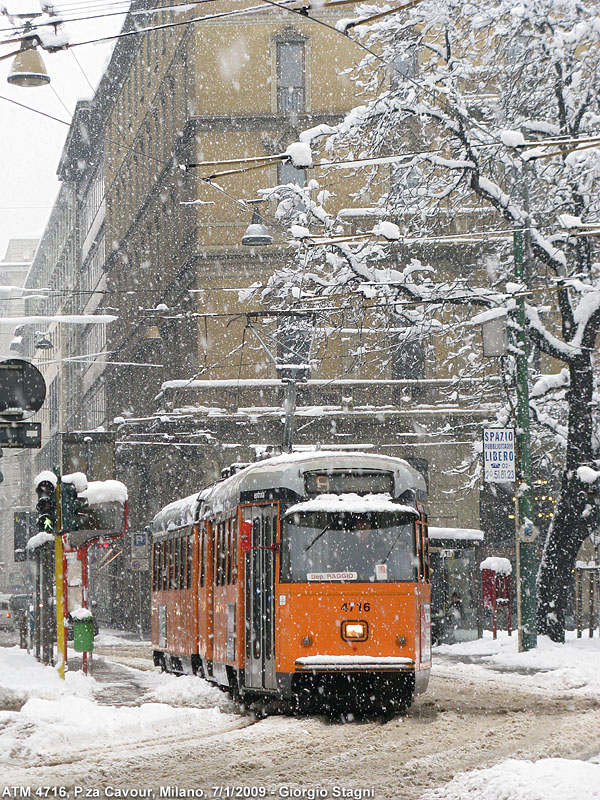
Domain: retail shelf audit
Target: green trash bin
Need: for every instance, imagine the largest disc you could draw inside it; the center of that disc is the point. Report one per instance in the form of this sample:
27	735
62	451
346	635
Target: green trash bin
83	634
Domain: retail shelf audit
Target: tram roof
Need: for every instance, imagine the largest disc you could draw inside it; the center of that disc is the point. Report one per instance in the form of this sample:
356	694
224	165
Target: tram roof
285	471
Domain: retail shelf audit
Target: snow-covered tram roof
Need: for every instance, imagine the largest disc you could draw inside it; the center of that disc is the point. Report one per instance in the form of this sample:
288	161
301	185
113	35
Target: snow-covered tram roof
179	514
287	472
281	472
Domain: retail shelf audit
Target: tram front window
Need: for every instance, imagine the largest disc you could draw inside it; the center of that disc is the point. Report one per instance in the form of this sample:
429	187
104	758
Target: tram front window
353	547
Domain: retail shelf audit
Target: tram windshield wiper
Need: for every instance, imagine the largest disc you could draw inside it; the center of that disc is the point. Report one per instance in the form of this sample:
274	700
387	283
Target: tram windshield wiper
394	543
392	547
318	536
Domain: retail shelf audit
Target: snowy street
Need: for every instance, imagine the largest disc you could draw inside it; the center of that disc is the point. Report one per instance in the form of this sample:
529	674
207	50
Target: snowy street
132	728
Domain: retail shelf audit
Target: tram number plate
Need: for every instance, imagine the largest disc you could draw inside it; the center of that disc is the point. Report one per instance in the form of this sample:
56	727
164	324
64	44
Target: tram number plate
356	606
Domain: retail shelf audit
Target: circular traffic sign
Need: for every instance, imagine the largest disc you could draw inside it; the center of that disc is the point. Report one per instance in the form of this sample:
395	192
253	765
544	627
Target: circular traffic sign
22	389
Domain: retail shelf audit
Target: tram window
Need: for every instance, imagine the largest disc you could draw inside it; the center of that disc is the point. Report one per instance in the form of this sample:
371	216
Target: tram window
171	557
422	549
216	554
426	549
190	561
154	566
228	524
234	550
158	557
180	563
257	598
364	547
219	554
268	562
165	567
202	556
175	581
223	553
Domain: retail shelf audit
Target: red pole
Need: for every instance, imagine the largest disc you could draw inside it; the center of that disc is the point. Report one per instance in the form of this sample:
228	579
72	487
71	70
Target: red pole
84	664
65	603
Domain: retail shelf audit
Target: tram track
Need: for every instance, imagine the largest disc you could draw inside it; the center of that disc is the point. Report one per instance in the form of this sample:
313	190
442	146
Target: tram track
461	723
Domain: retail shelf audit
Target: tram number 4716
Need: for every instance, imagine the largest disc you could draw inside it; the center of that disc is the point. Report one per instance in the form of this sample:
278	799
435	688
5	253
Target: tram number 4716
356	606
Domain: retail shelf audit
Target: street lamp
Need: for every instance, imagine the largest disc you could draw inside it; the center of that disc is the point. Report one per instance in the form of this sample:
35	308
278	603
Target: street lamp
495	344
28	68
257	233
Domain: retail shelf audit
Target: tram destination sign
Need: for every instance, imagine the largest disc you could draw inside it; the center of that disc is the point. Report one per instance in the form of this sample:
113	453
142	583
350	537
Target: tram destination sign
499	455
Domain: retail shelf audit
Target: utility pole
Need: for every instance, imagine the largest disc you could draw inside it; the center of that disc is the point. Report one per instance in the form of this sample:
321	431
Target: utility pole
526	533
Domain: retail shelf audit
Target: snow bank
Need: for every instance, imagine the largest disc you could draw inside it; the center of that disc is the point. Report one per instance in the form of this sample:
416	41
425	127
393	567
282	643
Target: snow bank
550	668
57	716
22	677
547	779
189	691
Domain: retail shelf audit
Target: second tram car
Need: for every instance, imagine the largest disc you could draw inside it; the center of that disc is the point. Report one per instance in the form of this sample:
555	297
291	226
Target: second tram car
302	578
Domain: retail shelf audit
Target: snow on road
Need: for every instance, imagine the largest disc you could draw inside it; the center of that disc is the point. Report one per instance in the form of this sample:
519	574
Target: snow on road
494	725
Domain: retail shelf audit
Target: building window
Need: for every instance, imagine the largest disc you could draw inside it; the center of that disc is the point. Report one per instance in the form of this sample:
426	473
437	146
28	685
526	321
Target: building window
404	64
288	173
408	360
290	76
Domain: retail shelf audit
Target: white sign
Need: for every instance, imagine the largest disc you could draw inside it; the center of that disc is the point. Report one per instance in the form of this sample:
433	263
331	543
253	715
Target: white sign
499	455
332	576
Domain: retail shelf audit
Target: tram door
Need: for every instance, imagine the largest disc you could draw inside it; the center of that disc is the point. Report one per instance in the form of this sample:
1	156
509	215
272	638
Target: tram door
260	598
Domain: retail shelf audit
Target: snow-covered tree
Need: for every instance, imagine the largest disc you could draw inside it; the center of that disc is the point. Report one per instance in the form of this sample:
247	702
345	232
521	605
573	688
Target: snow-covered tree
477	117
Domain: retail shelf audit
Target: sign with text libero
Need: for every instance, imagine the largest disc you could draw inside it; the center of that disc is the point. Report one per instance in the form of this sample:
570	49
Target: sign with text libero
499	455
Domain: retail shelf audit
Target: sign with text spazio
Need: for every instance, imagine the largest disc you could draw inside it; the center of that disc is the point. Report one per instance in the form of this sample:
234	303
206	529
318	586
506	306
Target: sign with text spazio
499	455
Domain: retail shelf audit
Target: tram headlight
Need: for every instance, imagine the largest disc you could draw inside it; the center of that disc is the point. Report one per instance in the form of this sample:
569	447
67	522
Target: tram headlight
355	630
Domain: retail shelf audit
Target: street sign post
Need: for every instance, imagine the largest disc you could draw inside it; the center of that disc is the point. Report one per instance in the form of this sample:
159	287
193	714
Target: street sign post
499	455
140	551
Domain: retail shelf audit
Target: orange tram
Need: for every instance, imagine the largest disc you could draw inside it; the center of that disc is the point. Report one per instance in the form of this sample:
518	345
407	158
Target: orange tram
302	578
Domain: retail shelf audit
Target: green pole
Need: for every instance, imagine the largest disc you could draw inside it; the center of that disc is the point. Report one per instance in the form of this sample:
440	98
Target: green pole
526	561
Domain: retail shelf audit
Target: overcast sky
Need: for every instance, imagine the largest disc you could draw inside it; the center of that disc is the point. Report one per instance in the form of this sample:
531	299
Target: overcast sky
30	144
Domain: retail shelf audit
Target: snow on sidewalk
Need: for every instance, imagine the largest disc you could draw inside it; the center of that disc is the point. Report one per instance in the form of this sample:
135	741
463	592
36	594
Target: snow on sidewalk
546	779
573	667
40	714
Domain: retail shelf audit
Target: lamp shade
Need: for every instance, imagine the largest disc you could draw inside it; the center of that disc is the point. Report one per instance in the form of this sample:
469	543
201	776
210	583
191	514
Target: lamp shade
28	69
256	234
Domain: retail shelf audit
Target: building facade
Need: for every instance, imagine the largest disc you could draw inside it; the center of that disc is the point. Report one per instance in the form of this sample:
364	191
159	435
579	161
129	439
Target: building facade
185	382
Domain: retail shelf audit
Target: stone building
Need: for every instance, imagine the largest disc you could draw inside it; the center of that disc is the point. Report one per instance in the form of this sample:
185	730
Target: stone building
181	385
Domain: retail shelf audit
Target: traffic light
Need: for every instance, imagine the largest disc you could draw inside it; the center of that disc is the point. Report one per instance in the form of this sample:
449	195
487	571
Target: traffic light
73	507
46	506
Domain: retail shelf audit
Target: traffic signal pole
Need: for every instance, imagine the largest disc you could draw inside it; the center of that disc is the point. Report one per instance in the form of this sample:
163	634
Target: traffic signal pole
46	507
61	638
